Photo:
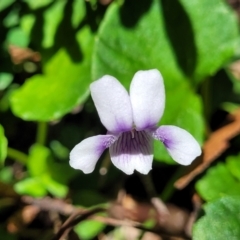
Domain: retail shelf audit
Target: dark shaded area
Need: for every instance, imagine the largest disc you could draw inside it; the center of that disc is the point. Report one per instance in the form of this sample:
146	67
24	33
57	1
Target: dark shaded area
221	89
217	119
5	61
37	34
130	12
18	139
180	34
177	25
160	176
66	34
92	17
235	4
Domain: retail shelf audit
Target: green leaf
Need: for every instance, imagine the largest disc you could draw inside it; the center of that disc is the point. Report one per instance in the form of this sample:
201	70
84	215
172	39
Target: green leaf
17	36
5	100
221	43
89	229
217	182
150	223
56	170
6	175
6	235
171	36
31	186
5	80
79	12
229	107
233	165
60	151
40	164
63	86
12	19
37	161
27	22
55	188
52	17
34	4
5	3
3	146
40	186
221	220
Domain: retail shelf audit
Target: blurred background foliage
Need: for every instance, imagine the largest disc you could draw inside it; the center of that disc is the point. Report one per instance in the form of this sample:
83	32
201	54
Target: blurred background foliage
51	50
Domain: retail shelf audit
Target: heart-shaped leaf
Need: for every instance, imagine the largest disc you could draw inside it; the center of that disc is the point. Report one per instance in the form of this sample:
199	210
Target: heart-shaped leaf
218	182
31	186
63	85
221	220
173	37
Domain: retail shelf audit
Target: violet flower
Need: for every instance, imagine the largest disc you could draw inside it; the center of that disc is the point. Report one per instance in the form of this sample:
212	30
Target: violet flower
131	121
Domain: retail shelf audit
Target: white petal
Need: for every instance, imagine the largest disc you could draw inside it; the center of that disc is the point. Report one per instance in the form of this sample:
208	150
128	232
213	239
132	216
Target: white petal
113	104
85	155
147	96
133	151
180	144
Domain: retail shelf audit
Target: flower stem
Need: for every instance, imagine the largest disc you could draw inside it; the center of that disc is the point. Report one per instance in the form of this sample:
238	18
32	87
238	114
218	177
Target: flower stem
17	155
169	188
205	92
157	202
148	185
41	133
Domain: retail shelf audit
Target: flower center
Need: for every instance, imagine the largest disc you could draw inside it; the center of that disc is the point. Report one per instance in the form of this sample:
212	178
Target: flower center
133	142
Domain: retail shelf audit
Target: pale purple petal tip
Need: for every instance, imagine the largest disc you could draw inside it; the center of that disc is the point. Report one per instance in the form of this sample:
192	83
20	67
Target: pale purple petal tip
180	144
121	127
85	155
133	151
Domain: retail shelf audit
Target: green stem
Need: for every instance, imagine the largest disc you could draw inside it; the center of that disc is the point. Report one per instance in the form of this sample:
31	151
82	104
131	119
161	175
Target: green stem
157	202
41	133
17	155
148	185
169	188
205	92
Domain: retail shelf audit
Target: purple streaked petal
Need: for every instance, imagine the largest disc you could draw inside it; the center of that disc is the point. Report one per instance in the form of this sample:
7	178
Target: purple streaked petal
113	104
147	96
180	144
85	155
133	151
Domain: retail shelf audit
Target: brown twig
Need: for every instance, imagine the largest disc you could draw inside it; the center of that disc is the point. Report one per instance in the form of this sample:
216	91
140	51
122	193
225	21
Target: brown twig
129	223
50	204
74	219
77	215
